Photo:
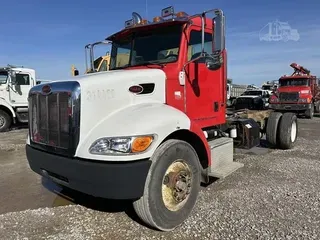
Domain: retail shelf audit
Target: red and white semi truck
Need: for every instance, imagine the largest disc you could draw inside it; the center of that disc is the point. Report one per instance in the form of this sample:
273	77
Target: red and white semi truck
153	127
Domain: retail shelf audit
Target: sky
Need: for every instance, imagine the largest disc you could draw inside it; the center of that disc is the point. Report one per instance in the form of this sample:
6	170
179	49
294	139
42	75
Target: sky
50	36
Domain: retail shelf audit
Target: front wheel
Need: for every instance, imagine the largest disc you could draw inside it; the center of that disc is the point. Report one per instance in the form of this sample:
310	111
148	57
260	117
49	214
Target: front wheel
172	186
5	121
310	112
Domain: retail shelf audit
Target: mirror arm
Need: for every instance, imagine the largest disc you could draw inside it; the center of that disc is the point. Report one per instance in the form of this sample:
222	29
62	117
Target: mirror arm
192	60
86	54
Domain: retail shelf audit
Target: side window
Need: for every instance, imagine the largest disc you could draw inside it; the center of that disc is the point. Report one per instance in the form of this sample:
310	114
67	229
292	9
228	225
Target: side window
123	55
120	56
22	79
194	45
3	77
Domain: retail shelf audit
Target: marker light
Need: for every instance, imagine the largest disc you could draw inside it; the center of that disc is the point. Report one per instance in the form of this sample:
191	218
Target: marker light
181	14
157	19
140	144
169	11
144	22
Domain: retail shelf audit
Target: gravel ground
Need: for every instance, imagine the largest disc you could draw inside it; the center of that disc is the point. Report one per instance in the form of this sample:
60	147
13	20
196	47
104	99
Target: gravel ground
275	196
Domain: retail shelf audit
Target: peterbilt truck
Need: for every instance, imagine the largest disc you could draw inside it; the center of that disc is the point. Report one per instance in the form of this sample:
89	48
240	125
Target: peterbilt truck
150	129
298	92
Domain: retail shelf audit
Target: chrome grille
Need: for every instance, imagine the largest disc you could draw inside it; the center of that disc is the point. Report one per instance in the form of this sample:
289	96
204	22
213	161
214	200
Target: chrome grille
288	96
54	118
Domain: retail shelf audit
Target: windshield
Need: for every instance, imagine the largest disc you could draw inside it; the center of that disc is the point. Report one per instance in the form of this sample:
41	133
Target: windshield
267	87
3	77
156	46
294	82
252	93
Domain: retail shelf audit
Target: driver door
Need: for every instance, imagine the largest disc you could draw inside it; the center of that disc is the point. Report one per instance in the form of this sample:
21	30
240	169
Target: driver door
204	87
18	92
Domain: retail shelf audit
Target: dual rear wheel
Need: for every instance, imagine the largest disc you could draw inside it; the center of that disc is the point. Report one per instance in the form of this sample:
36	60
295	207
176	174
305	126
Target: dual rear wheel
282	130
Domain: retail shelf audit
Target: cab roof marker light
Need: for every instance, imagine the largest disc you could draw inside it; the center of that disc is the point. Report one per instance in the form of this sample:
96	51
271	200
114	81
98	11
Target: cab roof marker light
181	14
157	19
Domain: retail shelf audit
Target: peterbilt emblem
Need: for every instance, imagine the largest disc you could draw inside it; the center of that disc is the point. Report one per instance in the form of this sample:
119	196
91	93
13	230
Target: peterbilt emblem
46	89
136	89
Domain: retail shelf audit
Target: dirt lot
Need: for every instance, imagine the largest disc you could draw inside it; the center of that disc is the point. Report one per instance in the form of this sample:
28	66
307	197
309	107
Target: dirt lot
275	196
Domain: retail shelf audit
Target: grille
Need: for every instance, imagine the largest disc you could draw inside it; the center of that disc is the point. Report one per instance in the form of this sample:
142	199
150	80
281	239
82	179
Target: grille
244	103
289	97
54	119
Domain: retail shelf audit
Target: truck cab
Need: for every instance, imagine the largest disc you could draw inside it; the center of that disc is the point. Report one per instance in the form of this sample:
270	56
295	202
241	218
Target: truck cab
297	93
15	84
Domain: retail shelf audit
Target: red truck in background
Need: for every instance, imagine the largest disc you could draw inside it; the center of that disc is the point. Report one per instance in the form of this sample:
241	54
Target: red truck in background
298	93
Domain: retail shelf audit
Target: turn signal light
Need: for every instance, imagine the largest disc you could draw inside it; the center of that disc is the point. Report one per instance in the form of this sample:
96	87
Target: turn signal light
140	144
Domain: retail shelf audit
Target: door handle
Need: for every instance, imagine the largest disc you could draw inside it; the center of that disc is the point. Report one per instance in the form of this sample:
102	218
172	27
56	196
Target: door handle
216	106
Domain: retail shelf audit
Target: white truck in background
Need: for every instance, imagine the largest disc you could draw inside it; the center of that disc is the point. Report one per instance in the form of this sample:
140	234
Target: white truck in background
15	83
234	91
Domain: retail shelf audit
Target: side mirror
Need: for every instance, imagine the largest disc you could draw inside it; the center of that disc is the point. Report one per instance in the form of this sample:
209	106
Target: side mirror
214	62
218	26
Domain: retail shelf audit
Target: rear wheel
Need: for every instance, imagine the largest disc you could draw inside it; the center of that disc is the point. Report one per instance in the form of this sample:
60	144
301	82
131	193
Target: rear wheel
288	131
310	112
272	128
172	186
5	121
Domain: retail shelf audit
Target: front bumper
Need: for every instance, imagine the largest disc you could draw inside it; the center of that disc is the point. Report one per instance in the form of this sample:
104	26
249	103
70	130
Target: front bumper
290	107
116	180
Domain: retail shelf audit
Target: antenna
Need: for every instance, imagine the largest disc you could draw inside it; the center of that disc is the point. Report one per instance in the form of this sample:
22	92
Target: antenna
146	9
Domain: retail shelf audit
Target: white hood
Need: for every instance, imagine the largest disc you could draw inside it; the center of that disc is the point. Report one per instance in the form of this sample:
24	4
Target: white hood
104	93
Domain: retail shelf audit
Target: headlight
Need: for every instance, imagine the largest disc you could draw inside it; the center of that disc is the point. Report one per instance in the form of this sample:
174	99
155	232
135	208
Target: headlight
303	100
121	145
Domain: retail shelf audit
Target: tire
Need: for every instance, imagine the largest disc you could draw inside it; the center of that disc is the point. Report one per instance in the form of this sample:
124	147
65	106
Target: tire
310	112
5	121
317	107
272	128
151	206
288	131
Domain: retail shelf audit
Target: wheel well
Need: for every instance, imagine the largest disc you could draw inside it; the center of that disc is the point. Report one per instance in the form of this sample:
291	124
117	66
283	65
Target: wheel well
7	110
194	141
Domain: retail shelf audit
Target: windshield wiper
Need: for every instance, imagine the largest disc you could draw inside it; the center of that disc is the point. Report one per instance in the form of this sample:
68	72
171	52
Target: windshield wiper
149	63
146	63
